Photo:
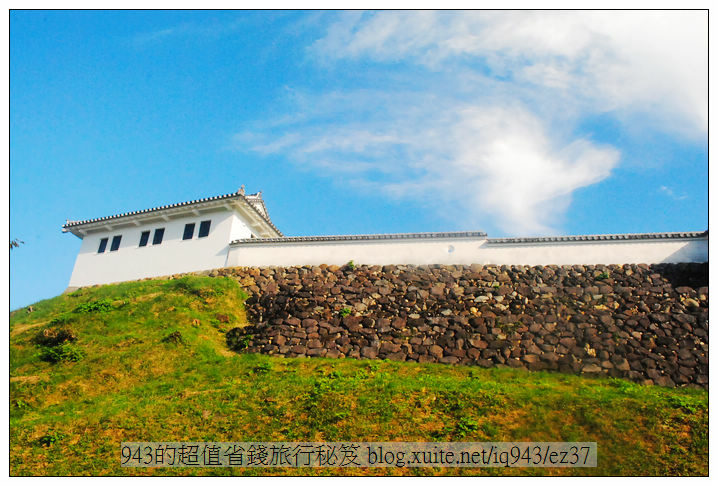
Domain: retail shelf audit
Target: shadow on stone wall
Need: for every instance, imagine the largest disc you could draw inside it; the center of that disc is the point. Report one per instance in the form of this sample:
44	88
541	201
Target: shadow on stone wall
693	275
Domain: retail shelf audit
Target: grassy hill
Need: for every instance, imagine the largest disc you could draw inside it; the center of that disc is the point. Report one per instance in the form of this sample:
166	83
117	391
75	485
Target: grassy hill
147	361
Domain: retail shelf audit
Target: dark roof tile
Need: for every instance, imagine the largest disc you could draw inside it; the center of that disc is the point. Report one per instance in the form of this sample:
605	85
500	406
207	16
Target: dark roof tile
626	236
387	236
237	195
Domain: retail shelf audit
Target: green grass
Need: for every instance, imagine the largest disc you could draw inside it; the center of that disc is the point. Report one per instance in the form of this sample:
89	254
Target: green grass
133	381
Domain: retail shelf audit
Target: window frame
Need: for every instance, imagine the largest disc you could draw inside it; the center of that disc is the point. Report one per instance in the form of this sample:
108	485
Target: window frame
144	238
188	233
204	226
103	245
158	236
116	241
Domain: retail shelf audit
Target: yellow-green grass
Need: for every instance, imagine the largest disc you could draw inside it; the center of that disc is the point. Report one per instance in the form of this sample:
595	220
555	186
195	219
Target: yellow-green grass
69	417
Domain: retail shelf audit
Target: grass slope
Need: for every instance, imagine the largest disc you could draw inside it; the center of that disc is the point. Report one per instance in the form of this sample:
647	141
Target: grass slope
135	379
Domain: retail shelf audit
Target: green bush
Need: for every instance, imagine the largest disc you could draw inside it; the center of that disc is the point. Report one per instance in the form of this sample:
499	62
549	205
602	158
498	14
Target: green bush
51	438
54	336
99	306
244	342
263	368
465	426
62	352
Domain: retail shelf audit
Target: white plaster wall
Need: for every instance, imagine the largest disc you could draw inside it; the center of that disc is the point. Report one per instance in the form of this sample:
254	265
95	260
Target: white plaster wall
605	252
239	229
174	255
467	251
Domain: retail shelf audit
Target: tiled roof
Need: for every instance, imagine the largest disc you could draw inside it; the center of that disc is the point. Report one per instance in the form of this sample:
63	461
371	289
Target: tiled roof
258	203
388	236
252	201
627	236
475	234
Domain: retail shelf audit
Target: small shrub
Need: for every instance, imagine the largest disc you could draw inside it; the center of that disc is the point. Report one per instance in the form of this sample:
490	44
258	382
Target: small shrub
345	311
98	306
21	404
243	343
603	276
263	368
51	438
51	336
350	265
62	352
174	338
465	426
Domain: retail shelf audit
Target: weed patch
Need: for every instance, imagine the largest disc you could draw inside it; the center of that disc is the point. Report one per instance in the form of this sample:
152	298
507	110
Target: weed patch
98	306
174	338
50	439
63	352
51	336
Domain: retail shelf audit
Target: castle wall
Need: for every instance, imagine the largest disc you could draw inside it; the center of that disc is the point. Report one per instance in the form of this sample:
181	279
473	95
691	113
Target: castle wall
467	250
644	323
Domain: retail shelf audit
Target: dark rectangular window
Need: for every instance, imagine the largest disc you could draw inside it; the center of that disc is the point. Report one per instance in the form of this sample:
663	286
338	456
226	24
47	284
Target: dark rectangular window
103	245
159	234
144	238
188	231
203	229
115	242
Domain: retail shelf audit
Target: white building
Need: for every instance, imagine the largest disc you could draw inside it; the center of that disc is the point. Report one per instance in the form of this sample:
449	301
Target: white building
235	230
177	238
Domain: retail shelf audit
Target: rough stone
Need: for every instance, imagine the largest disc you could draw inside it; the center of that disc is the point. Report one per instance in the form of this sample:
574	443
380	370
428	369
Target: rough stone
647	323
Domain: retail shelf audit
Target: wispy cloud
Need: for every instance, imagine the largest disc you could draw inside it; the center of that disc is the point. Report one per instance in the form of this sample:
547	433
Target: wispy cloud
481	163
157	35
208	30
479	110
670	193
633	61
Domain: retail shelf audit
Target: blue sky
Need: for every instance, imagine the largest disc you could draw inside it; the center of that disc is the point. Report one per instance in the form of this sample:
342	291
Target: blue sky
515	123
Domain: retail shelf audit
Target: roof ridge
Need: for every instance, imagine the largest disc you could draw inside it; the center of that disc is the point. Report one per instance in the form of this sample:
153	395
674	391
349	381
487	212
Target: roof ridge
375	236
600	237
72	224
468	234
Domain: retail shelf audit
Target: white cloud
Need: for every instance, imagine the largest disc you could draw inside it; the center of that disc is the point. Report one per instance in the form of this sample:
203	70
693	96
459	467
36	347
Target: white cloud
478	110
670	193
651	62
487	163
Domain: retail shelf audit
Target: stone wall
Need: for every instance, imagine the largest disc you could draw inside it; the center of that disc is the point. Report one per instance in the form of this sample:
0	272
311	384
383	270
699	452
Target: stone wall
640	322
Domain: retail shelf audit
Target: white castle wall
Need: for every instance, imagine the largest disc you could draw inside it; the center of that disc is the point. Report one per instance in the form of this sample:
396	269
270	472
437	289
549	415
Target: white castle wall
467	251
